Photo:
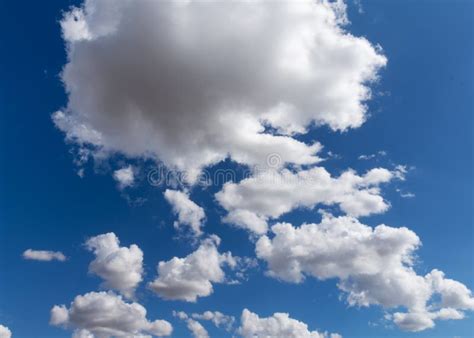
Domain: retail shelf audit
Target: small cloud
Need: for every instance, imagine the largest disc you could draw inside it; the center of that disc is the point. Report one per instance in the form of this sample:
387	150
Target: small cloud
405	194
379	153
44	255
125	177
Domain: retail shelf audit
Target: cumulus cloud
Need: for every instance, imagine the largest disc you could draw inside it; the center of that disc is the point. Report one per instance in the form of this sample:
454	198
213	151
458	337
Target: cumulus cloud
188	212
217	318
192	276
105	315
44	255
125	177
374	266
277	325
196	328
253	201
141	81
5	332
120	267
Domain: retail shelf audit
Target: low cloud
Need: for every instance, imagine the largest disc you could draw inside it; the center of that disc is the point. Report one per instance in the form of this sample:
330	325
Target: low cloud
44	255
106	315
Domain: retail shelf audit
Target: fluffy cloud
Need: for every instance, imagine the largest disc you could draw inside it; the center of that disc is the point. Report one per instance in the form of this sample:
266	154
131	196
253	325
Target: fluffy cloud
5	332
277	325
106	315
188	212
192	276
141	81
44	255
217	318
125	177
196	328
374	266
270	194
120	267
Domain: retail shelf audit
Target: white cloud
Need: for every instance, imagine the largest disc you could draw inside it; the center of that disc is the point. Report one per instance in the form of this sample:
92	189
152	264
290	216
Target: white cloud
379	153
5	332
192	276
285	64
277	325
106	315
253	201
125	177
120	267
44	255
217	318
374	266
196	328
188	212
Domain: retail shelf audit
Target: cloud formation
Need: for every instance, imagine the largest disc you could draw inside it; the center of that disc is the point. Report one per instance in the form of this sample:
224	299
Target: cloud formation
253	201
141	82
5	332
120	267
44	255
374	266
125	177
106	315
196	328
188	212
217	318
192	276
277	325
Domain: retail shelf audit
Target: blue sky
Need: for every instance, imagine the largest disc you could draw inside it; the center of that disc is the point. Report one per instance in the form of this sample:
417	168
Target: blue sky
420	115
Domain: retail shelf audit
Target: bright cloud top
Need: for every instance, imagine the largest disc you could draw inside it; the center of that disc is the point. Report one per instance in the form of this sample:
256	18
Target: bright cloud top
192	276
374	266
277	325
284	64
188	212
253	201
120	267
106	315
44	255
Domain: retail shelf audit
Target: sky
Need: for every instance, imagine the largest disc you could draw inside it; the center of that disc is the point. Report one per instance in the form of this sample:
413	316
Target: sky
295	169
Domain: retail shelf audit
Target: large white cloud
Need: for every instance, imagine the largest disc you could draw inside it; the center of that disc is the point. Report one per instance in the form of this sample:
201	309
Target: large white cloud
188	212
44	255
192	276
5	332
270	194
374	266
120	267
105	315
142	80
277	325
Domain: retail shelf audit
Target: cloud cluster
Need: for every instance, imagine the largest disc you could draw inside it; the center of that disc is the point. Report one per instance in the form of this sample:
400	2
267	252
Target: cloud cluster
374	266
120	267
188	212
277	325
44	255
253	201
106	315
5	332
141	81
192	276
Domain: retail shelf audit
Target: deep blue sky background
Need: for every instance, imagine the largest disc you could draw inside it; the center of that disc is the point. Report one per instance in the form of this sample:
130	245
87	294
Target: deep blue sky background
422	115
